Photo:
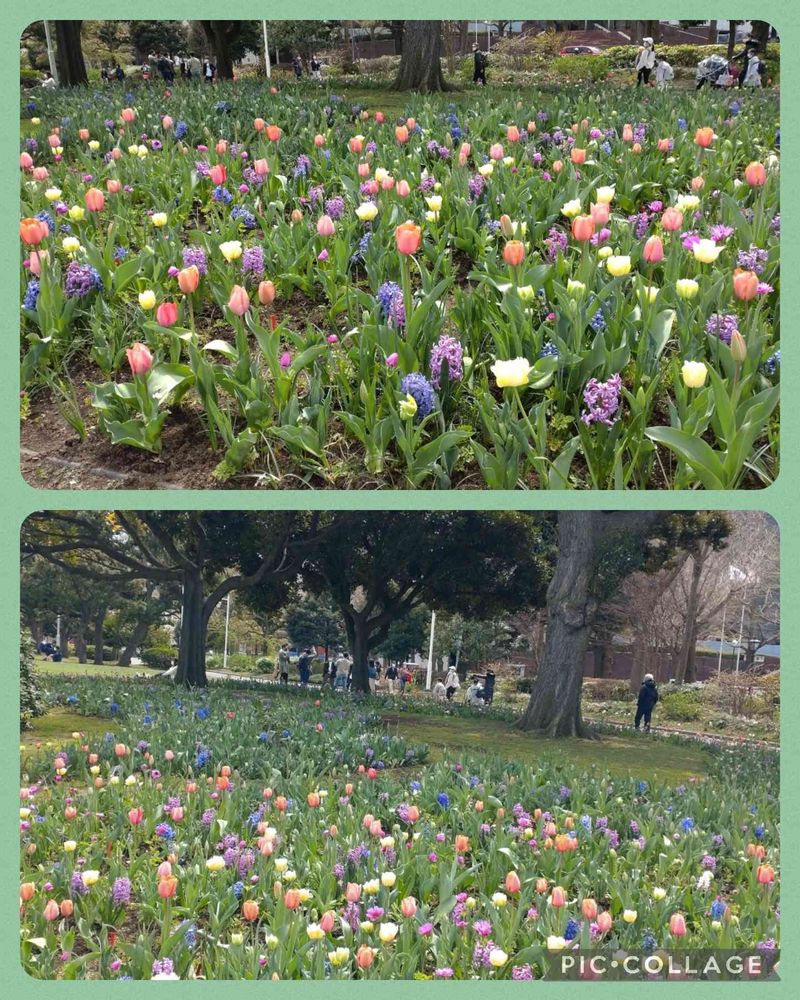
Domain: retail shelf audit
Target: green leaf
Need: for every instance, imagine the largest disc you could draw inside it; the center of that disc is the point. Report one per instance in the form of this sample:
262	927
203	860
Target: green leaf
222	347
697	454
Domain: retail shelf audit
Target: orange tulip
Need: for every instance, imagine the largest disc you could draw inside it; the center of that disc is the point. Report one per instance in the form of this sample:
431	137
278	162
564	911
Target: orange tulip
582	228
70	812
663	145
365	956
33	231
259	124
604	922
462	843
67	908
273	133
512	882
479	806
512	133
83	133
704	137
578	156
313	800
218	174
189	279
745	284
167	887
541	885
765	874
558	166
128	115
411	123
589	908
407	237
266	293
250	909
558	897
627	133
27	891
401	133
514	253
356	144
291	899
413	814
113	186
755	174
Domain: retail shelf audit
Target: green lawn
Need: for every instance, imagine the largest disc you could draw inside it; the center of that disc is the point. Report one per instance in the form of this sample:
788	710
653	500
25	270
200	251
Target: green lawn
639	755
72	666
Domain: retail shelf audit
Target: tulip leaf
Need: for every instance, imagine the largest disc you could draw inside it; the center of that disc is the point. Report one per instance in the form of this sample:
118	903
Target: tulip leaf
695	452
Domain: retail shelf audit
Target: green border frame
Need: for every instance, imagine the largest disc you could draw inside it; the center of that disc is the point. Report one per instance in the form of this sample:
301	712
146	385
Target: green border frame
20	499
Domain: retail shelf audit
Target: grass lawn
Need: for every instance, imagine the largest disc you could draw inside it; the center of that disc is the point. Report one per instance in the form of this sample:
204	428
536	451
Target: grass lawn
641	756
72	666
56	728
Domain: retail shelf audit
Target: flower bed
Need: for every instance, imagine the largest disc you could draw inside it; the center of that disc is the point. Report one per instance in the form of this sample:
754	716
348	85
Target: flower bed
229	837
572	290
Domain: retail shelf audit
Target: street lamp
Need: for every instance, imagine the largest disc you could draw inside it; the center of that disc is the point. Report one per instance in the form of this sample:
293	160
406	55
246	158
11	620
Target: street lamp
51	58
227	622
430	653
267	63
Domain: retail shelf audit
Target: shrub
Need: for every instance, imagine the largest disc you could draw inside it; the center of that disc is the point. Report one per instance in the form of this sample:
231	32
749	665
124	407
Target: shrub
241	663
30	702
109	655
524	685
264	665
607	689
573	69
681	706
159	657
29	77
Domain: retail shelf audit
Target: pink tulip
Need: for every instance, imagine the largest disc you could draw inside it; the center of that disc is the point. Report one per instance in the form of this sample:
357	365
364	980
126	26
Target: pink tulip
677	925
140	359
403	189
325	226
319	140
166	121
136	815
36	259
653	251
54	140
408	906
51	910
128	115
363	169
167	314
671	220
218	173
239	302
266	293
261	167
327	921
496	151
40	173
113	186
25	161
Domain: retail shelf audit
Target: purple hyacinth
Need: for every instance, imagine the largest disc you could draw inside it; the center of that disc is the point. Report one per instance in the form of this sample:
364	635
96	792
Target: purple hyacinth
556	242
720	232
419	388
195	256
121	891
722	325
522	972
602	401
334	207
80	280
447	350
476	186
253	261
390	299
77	886
163	967
754	259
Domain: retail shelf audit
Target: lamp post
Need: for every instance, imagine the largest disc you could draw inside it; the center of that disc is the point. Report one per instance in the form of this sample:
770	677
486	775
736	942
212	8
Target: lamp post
267	63
227	622
429	675
51	57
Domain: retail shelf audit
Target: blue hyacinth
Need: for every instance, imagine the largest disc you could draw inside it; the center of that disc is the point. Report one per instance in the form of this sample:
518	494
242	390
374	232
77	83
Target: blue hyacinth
419	388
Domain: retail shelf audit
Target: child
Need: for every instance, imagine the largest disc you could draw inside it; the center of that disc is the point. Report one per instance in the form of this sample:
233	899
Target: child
648	698
664	74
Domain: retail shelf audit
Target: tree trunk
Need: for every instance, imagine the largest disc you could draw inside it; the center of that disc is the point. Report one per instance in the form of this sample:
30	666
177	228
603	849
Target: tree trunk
421	66
599	652
99	637
69	55
80	640
731	38
360	650
555	703
761	31
138	636
685	670
217	34
192	654
711	38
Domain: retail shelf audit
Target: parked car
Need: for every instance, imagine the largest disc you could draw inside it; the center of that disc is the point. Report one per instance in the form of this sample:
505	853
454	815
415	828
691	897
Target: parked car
580	50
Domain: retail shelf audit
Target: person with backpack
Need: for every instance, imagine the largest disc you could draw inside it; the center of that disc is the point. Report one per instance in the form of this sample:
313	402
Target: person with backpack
479	65
647	701
645	61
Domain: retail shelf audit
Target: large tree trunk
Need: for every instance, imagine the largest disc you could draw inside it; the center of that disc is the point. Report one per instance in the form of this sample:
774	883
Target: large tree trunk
685	672
138	636
192	653
421	66
359	647
731	38
555	703
761	31
69	55
99	637
217	34
711	38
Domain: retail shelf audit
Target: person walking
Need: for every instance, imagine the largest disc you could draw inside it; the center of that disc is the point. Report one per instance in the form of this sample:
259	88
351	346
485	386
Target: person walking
451	682
372	676
316	69
479	65
645	61
283	663
391	678
304	666
297	65
648	698
209	71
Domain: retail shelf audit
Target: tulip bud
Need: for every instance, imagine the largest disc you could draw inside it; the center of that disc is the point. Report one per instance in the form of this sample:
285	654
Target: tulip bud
738	347
238	303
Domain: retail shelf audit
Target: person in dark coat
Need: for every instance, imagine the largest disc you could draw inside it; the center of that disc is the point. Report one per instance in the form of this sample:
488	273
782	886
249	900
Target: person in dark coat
479	71
648	697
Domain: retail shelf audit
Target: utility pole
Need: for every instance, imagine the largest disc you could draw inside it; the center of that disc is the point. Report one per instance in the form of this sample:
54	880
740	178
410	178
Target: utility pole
227	622
722	638
51	56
